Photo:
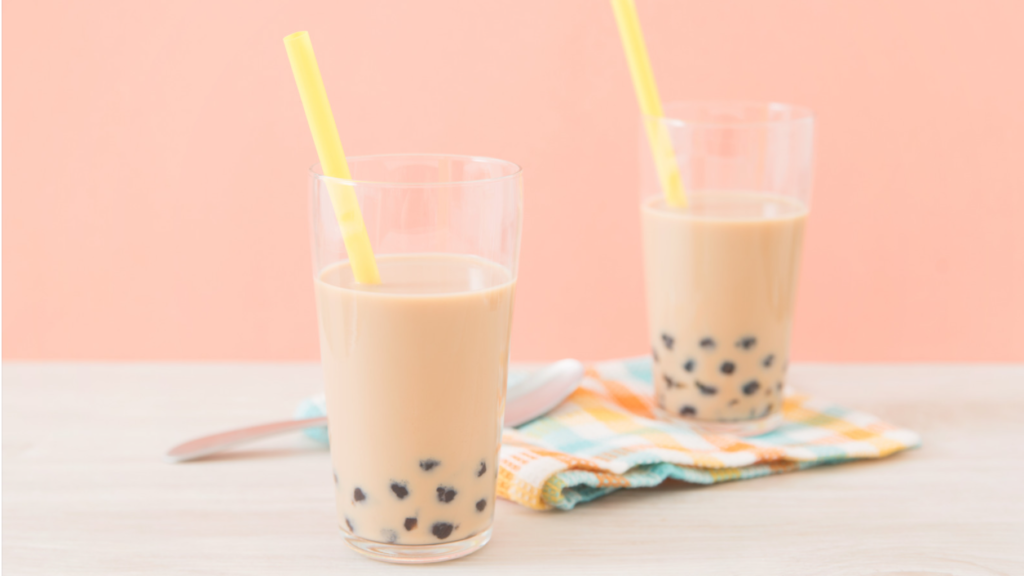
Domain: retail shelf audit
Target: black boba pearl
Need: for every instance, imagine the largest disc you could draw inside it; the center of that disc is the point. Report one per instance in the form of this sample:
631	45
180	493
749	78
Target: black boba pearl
689	366
751	387
483	468
358	495
654	354
349	524
400	490
429	464
734	401
442	530
727	367
707	343
390	536
768	360
687	411
445	494
668	341
481	505
706	389
669	382
746	343
410	523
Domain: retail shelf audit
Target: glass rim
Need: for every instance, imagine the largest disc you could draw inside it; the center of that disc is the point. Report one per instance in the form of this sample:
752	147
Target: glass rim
516	170
799	113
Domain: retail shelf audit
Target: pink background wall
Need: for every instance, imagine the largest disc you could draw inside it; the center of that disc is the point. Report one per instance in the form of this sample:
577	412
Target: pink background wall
155	154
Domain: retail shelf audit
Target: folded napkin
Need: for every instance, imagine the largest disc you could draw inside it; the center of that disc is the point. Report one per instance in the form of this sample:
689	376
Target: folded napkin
609	435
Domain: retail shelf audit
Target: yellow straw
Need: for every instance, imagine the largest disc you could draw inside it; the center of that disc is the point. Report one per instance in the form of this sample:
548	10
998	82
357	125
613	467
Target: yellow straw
332	157
650	104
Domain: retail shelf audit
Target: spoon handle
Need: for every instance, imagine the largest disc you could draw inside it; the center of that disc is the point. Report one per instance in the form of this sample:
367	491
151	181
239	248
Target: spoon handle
217	442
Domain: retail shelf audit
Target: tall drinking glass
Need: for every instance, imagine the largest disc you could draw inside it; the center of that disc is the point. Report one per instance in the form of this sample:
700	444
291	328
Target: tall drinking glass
415	366
722	273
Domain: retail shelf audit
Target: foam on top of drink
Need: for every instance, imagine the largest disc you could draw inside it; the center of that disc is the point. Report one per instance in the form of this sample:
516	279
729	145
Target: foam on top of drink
423	275
732	205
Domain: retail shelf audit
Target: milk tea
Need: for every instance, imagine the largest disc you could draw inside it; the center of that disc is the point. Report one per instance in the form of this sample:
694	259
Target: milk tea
721	285
415	371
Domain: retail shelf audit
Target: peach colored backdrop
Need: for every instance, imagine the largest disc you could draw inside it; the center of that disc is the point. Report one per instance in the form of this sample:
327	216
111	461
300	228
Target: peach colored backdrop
155	155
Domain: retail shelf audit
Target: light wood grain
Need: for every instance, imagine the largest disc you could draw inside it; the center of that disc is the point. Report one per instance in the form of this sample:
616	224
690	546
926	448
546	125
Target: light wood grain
85	490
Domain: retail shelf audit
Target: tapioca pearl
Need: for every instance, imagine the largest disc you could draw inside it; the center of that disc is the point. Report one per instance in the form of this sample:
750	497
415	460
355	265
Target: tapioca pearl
768	409
778	386
727	367
746	343
401	489
335	477
706	389
389	536
410	524
707	343
690	365
348	523
668	341
483	468
734	401
481	504
654	354
751	387
429	464
687	411
671	383
442	529
767	362
358	495
445	494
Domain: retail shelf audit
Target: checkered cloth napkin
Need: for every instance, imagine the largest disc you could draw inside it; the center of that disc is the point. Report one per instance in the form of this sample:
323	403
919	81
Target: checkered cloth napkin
610	435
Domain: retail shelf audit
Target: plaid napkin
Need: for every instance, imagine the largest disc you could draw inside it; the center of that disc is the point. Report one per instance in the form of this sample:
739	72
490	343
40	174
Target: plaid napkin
609	435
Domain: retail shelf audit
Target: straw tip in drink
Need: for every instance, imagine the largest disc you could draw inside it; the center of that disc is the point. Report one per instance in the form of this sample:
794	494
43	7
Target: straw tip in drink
295	35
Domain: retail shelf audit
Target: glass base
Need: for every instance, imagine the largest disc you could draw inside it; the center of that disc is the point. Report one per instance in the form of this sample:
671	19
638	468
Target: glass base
736	428
417	554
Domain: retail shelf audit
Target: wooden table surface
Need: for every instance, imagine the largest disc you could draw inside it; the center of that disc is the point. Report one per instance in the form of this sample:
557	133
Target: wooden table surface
85	490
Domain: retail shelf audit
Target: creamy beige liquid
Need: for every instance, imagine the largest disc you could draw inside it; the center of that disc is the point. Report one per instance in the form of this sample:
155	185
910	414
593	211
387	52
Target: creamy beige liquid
721	284
415	373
